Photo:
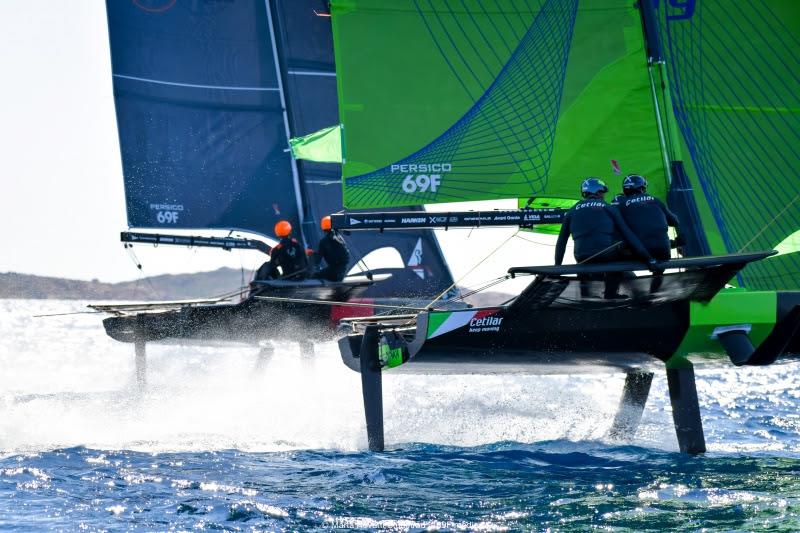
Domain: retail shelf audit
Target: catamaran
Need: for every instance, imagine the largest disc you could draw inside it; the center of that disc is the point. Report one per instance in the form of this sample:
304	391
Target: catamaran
207	96
445	101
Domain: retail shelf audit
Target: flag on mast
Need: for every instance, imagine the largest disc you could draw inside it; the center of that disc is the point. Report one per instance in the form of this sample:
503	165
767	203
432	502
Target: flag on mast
323	146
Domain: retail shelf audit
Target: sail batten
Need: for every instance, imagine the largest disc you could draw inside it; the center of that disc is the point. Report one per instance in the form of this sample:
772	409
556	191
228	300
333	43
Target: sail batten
195	85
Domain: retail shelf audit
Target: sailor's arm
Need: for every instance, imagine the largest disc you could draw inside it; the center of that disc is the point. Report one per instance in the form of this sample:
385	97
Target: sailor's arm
629	236
274	259
672	218
563	236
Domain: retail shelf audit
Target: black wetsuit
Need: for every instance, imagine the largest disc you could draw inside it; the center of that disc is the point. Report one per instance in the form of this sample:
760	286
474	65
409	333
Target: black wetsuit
648	218
332	249
290	256
595	227
599	234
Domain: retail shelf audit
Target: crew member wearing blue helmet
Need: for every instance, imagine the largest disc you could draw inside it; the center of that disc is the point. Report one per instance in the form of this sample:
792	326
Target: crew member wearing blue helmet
598	232
646	216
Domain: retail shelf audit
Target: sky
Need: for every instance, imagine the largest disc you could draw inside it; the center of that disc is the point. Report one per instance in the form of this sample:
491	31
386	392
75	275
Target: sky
62	201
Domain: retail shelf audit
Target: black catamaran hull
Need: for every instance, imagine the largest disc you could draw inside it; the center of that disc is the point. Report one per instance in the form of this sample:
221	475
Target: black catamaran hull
547	341
546	329
296	311
249	321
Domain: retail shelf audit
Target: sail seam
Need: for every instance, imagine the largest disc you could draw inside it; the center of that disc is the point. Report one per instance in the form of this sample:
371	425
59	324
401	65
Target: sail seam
197	85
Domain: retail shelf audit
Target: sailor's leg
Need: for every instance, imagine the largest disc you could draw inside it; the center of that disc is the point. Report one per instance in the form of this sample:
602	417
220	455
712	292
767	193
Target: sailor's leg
612	283
686	409
371	388
140	349
662	254
656	281
631	406
585	281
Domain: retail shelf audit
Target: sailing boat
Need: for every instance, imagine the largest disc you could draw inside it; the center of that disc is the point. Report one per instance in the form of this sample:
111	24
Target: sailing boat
207	96
522	99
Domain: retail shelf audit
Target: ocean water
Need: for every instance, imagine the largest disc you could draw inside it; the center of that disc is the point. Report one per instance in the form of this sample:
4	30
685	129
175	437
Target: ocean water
223	441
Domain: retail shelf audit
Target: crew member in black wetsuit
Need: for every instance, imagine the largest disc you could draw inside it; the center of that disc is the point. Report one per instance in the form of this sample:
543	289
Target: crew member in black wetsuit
288	259
333	251
646	216
598	231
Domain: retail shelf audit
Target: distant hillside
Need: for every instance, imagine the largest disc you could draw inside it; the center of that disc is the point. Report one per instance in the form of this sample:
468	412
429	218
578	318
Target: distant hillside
165	287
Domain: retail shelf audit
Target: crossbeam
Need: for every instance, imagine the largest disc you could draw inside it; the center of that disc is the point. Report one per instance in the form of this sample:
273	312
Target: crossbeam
401	220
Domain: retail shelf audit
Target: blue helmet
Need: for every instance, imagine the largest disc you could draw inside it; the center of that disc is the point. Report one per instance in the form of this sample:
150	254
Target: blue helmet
633	183
592	187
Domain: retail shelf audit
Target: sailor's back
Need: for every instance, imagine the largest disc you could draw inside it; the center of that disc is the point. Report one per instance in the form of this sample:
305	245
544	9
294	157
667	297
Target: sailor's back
649	219
592	227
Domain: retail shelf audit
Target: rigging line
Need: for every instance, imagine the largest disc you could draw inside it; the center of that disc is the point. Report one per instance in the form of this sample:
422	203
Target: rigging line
337	304
535	242
479	263
391	308
360	258
601	252
68	314
231	294
137	264
487	285
776	217
469	291
477	285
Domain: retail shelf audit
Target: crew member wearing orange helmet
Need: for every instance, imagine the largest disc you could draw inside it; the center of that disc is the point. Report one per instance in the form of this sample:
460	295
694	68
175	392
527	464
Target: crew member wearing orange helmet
333	251
287	258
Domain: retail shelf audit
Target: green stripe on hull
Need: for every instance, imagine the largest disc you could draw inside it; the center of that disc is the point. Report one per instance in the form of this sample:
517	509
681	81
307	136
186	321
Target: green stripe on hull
435	319
730	307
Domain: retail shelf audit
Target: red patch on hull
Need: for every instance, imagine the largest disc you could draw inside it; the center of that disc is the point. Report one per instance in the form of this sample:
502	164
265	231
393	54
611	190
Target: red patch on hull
340	312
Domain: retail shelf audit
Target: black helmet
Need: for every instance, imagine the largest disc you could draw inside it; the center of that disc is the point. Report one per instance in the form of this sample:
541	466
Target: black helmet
633	183
592	187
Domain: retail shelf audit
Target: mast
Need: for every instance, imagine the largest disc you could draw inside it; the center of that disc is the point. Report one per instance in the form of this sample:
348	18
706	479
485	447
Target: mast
279	74
680	194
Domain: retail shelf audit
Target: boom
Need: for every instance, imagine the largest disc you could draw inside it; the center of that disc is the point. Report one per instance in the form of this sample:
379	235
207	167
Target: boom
463	219
226	243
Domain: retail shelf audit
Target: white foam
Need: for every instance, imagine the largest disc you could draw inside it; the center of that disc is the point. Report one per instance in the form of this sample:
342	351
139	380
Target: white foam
65	383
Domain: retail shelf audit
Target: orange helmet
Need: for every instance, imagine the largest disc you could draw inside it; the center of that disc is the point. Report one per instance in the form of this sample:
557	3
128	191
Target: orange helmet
283	228
325	223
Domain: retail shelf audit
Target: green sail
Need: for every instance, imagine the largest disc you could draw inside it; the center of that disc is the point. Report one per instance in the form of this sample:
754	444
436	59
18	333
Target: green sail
607	126
734	76
449	101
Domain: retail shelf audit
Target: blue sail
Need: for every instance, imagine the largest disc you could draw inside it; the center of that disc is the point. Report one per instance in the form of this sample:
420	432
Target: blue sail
200	118
207	95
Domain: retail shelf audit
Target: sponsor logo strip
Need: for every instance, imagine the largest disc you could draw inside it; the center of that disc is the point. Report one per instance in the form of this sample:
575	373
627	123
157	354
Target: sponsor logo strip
478	321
